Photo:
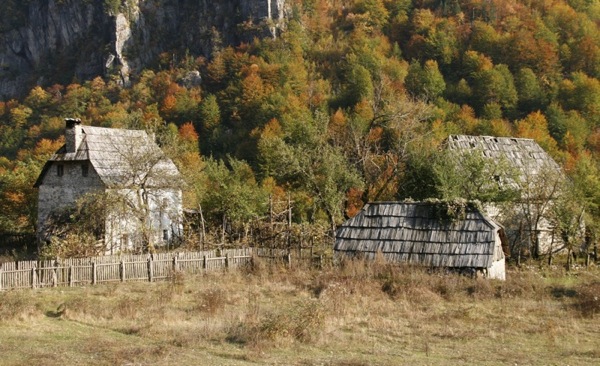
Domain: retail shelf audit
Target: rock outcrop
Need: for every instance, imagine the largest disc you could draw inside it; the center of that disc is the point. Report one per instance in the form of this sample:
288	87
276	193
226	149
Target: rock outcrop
59	41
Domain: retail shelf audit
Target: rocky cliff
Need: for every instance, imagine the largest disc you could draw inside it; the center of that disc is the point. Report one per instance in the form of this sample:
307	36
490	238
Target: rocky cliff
57	41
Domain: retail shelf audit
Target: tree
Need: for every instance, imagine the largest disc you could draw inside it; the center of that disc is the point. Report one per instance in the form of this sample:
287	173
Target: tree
425	82
495	85
75	231
303	159
360	86
472	176
567	213
535	126
209	115
582	93
539	189
529	90
18	197
230	194
586	188
375	11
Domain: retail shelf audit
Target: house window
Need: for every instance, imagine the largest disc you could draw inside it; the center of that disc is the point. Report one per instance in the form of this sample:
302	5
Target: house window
60	170
84	170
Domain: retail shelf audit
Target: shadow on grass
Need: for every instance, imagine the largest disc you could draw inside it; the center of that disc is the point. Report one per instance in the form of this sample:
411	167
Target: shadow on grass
60	311
560	292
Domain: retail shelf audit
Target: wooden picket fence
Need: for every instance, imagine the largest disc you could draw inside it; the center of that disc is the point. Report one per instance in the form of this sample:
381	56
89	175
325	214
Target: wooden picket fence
123	268
146	267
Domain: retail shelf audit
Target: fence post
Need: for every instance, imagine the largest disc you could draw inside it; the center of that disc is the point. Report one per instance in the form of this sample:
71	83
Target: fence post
204	262
587	260
226	260
54	274
150	270
122	265
289	260
70	275
1	276
175	265
94	273
33	277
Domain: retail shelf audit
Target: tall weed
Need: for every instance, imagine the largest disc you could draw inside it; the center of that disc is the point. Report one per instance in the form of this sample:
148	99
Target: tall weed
302	322
17	305
588	299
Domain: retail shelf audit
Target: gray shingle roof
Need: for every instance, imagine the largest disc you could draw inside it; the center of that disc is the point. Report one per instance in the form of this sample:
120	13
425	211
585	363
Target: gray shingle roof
413	232
120	157
525	154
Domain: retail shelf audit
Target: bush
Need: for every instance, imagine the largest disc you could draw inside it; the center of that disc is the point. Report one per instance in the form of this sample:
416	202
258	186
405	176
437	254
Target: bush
211	301
16	305
302	322
525	284
588	299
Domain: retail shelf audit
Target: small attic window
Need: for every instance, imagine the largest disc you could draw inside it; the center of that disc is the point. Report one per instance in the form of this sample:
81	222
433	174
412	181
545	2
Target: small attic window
60	170
84	169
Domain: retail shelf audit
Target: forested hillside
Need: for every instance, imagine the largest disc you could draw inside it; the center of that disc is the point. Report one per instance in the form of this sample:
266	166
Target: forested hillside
349	104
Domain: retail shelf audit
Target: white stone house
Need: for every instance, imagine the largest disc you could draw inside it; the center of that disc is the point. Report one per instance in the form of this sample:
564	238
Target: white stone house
127	164
538	179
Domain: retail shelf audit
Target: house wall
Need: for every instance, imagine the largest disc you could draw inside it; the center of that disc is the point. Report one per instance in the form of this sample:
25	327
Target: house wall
497	270
126	224
513	217
56	192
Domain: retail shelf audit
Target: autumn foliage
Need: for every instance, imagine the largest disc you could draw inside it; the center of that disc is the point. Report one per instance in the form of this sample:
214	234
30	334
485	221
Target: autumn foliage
339	108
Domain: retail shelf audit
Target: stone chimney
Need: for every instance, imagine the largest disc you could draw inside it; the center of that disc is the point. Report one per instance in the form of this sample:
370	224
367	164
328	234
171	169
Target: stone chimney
73	134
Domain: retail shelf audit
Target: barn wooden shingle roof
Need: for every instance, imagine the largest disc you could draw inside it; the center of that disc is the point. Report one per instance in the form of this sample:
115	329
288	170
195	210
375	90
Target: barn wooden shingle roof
524	154
120	157
413	232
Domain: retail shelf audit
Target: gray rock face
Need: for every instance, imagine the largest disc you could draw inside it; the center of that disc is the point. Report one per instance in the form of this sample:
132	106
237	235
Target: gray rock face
67	40
48	42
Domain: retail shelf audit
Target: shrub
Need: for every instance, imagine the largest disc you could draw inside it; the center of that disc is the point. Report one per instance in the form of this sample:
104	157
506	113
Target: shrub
211	301
302	322
481	289
588	299
525	284
16	305
176	282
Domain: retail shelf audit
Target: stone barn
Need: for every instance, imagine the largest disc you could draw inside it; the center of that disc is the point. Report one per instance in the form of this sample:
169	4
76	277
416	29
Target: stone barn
537	177
421	233
126	165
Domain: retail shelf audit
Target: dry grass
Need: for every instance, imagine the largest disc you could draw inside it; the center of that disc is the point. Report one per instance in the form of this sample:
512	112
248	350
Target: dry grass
588	299
17	306
360	313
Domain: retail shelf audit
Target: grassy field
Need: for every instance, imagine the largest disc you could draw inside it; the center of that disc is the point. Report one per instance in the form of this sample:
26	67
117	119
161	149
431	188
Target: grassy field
359	314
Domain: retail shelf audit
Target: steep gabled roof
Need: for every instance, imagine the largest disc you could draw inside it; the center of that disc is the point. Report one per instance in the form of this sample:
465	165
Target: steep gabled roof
524	154
120	157
414	232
